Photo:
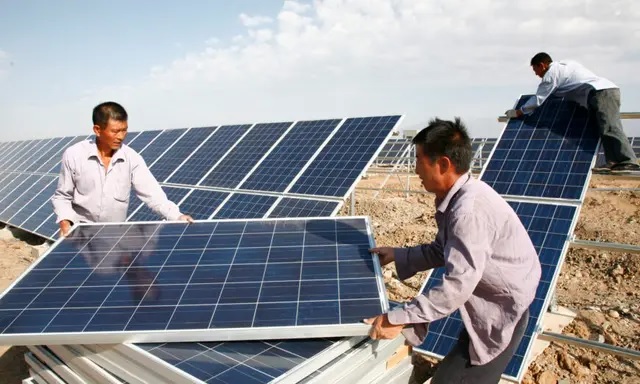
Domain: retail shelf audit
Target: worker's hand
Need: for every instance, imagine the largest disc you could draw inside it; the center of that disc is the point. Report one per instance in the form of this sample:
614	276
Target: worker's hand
381	328
186	218
385	254
65	226
513	113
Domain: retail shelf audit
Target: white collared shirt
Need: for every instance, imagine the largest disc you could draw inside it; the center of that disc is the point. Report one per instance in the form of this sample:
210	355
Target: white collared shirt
86	193
566	79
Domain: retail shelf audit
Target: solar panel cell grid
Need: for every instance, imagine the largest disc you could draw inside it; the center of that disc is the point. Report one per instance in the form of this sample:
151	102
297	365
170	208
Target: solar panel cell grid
288	158
548	154
142	140
290	207
172	159
229	363
160	144
192	171
341	162
235	166
246	206
144	213
200	204
151	277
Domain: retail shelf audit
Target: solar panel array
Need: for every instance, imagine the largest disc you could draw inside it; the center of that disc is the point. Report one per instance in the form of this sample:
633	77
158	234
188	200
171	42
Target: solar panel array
398	151
541	165
635	145
234	171
223	280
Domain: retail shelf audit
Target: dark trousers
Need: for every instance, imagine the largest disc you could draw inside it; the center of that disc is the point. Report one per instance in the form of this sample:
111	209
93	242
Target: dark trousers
456	367
604	107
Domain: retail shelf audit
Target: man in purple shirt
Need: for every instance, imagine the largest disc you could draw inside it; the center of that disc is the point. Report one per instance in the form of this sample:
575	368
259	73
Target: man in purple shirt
96	177
491	266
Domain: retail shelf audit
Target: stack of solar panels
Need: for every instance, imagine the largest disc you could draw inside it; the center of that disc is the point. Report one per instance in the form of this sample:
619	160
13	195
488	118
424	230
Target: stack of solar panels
541	165
282	285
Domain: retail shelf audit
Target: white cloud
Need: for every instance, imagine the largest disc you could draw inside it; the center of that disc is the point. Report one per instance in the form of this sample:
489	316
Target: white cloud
254	21
360	57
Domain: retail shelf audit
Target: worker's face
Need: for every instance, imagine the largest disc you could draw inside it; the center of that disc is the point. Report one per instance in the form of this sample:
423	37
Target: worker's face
429	171
540	69
112	135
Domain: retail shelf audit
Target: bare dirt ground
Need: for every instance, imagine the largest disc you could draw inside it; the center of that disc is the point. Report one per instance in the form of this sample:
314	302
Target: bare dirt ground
602	287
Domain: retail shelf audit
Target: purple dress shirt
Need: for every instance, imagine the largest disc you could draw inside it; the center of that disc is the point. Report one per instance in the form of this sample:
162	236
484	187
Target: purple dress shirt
492	270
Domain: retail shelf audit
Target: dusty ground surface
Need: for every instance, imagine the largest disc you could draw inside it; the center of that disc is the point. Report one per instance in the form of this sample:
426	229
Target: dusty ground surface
602	287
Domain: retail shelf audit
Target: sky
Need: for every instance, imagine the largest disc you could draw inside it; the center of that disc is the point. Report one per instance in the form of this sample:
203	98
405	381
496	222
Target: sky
212	62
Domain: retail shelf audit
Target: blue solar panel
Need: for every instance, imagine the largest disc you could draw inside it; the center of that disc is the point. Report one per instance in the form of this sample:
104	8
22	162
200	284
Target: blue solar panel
11	183
163	141
53	164
52	149
142	140
601	160
146	214
38	148
245	206
28	191
235	166
12	154
257	362
192	171
48	228
291	207
548	154
26	151
342	161
288	158
549	227
200	204
30	216
130	137
109	283
172	159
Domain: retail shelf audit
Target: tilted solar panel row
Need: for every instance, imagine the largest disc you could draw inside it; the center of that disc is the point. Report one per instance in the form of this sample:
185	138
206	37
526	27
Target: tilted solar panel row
255	169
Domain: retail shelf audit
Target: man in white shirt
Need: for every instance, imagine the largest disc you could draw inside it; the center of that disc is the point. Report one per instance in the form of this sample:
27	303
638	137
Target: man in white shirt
602	97
96	176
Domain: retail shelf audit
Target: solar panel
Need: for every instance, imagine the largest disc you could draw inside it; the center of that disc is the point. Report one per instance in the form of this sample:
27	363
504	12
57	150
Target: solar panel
289	157
549	227
29	190
192	171
25	152
601	160
10	184
37	149
239	161
341	162
12	153
258	362
245	206
161	143
172	159
48	228
293	207
142	140
548	154
200	204
130	137
27	217
52	149
53	164
144	213
220	280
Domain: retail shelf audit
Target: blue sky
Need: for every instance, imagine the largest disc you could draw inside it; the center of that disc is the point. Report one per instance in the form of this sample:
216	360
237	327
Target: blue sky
215	62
